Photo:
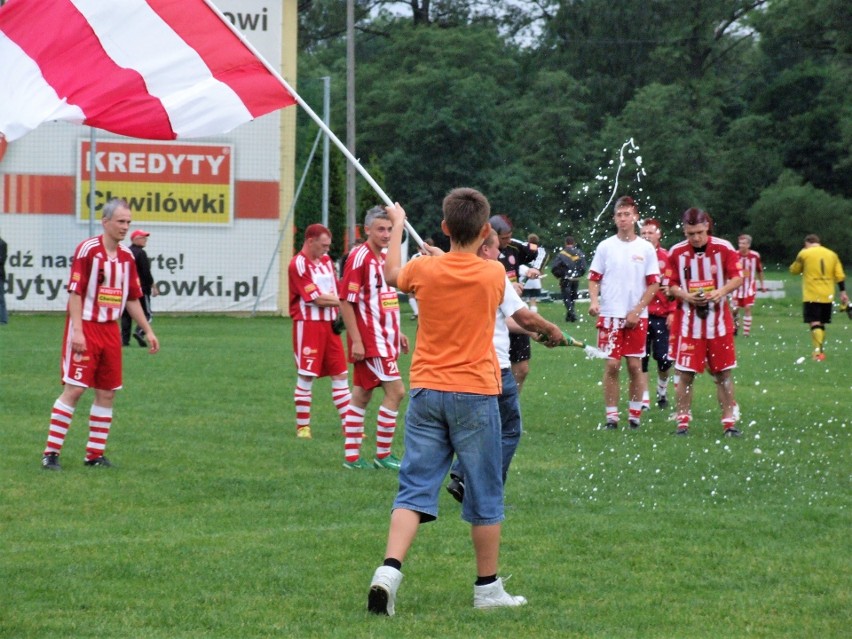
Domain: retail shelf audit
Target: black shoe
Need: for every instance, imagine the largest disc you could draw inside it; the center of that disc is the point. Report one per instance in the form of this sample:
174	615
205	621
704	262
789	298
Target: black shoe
99	461
140	340
732	432
456	488
662	402
634	424
682	431
125	343
612	425
50	462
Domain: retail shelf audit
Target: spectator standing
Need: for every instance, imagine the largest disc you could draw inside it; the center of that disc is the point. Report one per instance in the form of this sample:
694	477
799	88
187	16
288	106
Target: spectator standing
370	310
532	283
4	250
318	349
138	242
623	279
513	316
568	267
744	296
820	269
103	282
703	271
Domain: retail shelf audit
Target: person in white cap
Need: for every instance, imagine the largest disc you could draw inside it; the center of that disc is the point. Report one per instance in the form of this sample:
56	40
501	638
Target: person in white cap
138	241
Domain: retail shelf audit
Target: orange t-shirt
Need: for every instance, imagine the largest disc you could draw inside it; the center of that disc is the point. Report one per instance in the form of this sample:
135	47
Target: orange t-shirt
457	295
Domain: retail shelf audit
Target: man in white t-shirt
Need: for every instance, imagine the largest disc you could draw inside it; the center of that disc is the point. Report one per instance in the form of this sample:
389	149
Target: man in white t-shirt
512	316
623	278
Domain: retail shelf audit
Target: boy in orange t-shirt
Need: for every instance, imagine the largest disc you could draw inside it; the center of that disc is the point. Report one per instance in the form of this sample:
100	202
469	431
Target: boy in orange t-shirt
455	380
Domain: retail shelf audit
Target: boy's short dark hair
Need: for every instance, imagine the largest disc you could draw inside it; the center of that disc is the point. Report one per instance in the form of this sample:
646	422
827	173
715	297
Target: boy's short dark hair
466	211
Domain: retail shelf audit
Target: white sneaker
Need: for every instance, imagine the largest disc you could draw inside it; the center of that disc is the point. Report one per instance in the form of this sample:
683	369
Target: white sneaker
493	596
383	589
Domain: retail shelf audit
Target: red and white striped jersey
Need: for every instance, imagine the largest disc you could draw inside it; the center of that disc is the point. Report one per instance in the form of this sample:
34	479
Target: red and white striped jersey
706	271
307	282
105	283
751	267
661	305
376	304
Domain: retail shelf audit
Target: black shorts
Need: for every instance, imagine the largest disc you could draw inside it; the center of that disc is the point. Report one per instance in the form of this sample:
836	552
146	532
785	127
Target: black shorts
657	344
817	312
519	348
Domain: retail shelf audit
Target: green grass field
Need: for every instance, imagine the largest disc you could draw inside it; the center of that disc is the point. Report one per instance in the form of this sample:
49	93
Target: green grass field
218	522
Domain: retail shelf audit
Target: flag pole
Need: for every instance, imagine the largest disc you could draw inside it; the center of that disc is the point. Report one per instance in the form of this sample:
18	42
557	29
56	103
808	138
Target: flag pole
322	125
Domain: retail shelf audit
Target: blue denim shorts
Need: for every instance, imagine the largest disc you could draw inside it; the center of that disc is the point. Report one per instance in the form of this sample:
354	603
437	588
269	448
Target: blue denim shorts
438	424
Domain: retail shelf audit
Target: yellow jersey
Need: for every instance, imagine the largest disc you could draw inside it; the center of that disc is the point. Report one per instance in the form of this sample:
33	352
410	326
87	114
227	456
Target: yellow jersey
821	270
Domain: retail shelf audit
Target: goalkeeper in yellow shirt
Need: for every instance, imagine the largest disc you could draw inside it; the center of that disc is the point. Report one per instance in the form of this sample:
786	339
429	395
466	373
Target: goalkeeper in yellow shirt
821	270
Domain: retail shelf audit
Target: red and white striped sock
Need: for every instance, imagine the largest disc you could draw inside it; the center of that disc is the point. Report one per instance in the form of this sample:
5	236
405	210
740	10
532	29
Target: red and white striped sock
60	422
635	414
353	429
385	427
612	414
100	420
341	397
302	398
728	422
683	421
747	325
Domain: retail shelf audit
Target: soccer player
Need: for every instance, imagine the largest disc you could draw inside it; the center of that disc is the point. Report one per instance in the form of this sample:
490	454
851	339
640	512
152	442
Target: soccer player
660	316
623	278
513	254
820	269
314	304
744	295
103	283
703	271
370	310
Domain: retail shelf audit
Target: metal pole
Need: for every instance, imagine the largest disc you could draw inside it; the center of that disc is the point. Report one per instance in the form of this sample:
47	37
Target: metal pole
326	117
93	143
351	186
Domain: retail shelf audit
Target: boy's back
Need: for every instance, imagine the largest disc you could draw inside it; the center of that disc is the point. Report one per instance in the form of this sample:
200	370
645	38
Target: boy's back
459	294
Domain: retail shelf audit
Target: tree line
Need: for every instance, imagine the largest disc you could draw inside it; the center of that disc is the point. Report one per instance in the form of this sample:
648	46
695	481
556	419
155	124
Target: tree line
740	107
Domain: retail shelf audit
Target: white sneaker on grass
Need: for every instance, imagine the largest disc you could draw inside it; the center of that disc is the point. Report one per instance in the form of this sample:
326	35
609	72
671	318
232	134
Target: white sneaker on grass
383	589
494	596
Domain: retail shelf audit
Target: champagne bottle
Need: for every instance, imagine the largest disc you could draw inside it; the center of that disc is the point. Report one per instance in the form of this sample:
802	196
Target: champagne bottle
702	311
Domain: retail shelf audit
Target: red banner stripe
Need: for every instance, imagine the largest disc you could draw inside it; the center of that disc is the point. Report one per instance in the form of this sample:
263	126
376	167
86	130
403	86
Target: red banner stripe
40	27
228	59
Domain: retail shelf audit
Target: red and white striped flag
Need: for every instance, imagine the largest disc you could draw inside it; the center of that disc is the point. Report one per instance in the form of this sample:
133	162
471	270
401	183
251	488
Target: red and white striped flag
153	69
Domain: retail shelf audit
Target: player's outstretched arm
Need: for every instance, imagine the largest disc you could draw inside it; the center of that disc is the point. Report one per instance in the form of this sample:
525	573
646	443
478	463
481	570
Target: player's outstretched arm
535	323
